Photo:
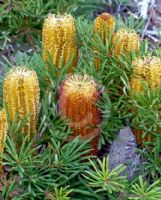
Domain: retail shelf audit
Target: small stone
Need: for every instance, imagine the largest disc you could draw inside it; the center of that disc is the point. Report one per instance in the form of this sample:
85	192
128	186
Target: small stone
123	151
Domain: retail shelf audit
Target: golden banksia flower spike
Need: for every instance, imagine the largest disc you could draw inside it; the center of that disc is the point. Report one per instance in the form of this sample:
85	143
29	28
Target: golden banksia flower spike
78	96
59	39
21	95
125	41
3	134
104	23
146	70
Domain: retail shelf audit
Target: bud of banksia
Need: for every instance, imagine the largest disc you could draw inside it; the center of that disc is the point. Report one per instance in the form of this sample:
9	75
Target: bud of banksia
125	41
3	133
103	24
78	96
146	70
21	95
59	39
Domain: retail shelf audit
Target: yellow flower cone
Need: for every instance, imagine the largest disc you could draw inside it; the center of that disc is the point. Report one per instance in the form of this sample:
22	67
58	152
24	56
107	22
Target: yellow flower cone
59	40
147	71
21	95
102	24
125	41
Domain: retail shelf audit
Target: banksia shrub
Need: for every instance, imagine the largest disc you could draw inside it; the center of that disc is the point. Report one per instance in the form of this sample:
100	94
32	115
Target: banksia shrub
59	39
3	134
125	41
21	96
147	71
103	24
78	96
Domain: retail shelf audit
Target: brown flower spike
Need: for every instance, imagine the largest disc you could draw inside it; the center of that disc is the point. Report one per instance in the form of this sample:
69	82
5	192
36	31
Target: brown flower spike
125	41
3	134
78	97
102	24
147	71
21	95
59	39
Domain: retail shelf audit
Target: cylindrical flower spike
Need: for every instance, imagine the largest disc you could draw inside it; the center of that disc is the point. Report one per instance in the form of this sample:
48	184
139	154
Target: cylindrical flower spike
78	96
139	76
154	73
103	24
147	71
3	133
125	41
21	95
59	40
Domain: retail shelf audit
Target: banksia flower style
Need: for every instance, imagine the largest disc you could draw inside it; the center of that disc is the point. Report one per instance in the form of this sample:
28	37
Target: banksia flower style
147	71
3	134
125	41
78	96
59	39
103	24
21	96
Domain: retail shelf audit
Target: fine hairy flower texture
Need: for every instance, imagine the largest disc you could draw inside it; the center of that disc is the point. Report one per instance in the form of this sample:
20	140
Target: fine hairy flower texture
59	40
125	41
78	96
146	71
104	25
21	96
3	133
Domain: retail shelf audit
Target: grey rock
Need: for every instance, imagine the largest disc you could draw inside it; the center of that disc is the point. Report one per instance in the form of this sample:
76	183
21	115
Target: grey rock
123	151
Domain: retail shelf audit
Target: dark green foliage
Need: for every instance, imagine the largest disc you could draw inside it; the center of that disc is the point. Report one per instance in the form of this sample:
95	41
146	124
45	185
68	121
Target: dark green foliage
147	114
152	159
59	194
35	167
25	17
48	167
103	179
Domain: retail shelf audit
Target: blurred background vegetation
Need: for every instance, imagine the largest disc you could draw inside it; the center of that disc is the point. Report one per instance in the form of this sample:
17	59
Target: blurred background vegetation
21	20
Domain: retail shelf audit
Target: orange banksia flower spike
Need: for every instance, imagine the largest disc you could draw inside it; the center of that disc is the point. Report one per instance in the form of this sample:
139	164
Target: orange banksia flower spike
78	96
